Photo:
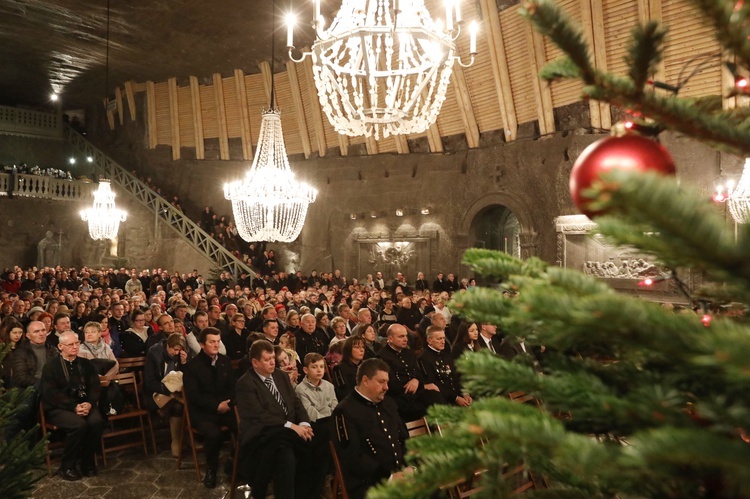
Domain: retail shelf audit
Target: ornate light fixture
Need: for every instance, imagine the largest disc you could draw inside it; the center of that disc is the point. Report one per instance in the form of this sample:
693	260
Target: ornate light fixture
269	204
383	66
103	217
739	198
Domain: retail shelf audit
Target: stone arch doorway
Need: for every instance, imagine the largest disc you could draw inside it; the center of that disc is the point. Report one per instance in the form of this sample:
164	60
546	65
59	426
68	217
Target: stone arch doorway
496	227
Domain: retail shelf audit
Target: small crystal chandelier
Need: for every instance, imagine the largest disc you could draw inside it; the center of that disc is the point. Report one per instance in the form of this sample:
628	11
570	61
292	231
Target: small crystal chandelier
739	198
269	204
383	66
103	217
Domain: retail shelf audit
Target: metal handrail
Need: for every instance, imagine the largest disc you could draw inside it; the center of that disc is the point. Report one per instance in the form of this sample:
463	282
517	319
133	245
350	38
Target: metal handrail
154	202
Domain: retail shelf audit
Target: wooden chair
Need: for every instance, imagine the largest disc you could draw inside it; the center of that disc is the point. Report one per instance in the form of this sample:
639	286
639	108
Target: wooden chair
133	365
133	412
49	446
136	365
418	427
338	486
187	426
524	398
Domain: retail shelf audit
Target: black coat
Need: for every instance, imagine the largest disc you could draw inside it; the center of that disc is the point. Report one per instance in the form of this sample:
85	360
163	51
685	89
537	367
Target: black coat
369	440
404	367
438	368
23	364
57	390
155	370
206	386
344	378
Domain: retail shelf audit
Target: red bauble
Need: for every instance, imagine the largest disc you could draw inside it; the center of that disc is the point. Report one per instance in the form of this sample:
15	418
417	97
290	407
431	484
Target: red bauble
630	152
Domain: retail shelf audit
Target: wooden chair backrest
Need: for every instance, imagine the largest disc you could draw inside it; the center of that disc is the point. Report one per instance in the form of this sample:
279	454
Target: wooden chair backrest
127	382
418	427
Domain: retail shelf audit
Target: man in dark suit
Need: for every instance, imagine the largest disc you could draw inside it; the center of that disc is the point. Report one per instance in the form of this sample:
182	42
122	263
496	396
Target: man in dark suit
275	431
209	387
488	338
370	435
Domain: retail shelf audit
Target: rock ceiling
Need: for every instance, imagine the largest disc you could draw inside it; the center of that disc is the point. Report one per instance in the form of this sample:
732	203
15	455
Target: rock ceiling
62	45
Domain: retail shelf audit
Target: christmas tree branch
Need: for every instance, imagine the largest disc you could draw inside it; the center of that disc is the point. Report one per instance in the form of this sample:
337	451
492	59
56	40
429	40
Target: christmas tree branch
679	114
730	20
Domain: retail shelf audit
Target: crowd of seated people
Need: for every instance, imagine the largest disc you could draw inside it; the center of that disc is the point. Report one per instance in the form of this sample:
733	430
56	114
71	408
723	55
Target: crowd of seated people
323	344
37	170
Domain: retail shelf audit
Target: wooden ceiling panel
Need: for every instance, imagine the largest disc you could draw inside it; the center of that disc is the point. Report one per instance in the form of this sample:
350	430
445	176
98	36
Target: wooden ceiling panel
187	131
163	123
517	51
232	107
622	16
566	91
690	45
256	102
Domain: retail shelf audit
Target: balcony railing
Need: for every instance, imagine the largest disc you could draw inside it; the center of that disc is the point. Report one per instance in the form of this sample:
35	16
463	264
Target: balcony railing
18	121
36	186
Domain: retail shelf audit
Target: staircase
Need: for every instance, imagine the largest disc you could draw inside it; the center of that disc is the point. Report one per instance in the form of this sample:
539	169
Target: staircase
186	228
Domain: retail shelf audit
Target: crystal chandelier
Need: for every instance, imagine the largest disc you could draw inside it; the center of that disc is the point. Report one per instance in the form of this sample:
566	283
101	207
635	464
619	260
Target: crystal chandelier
739	198
103	217
383	66
269	204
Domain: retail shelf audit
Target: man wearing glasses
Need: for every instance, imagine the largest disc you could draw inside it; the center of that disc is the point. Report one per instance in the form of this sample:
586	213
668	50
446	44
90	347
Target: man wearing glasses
70	396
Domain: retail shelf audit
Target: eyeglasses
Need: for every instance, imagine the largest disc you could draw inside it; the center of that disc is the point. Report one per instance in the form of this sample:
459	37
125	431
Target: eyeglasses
75	344
139	320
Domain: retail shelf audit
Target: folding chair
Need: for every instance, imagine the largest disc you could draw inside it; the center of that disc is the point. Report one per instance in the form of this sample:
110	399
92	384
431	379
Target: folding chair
132	413
47	429
338	486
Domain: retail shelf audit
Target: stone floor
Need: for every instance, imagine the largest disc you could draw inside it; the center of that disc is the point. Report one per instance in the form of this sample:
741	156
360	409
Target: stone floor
131	475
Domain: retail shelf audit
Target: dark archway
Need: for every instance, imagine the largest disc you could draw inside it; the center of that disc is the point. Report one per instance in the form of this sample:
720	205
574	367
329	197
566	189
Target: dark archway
496	227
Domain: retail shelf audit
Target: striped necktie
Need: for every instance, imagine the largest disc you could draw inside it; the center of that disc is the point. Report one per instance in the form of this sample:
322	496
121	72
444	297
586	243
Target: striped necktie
275	393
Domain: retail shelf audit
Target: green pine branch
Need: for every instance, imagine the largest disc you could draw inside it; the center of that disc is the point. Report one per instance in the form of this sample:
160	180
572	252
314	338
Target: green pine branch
20	462
719	128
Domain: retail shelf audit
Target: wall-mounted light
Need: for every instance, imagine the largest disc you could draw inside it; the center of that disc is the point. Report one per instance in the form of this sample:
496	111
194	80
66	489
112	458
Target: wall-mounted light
53	97
72	161
89	159
399	213
425	211
373	214
353	216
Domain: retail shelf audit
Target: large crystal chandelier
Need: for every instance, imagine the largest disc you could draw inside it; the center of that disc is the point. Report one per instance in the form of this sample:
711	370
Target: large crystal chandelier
383	66
739	197
103	217
269	204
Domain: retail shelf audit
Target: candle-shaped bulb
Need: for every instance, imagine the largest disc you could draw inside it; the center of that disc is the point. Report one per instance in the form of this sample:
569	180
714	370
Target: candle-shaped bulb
449	15
316	11
291	20
473	28
458	11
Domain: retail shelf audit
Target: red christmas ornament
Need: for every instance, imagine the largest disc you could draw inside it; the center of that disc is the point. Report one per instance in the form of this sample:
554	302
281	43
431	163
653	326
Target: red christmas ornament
630	152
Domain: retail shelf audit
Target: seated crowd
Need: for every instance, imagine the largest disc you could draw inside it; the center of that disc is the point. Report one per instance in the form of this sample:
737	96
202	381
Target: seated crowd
303	360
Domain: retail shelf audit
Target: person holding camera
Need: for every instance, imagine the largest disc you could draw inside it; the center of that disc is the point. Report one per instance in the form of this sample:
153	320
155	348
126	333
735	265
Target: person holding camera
70	395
